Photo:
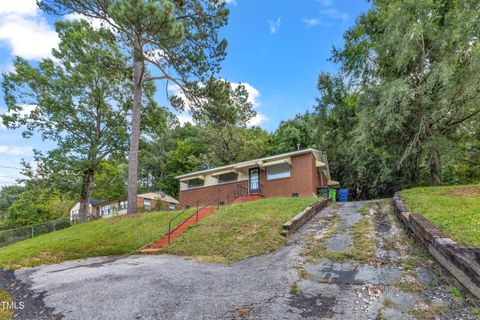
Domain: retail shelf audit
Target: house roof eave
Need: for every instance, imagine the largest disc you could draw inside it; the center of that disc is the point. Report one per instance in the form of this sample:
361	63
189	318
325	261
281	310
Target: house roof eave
246	163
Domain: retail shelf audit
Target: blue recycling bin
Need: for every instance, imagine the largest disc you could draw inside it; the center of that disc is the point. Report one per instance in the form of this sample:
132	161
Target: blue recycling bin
343	195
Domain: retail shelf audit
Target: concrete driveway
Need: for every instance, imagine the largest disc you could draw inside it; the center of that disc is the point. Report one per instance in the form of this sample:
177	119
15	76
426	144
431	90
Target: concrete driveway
285	284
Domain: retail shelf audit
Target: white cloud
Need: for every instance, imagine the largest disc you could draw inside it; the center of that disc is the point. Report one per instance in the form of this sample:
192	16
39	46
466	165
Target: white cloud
274	25
25	111
311	22
259	119
253	93
184	118
25	31
16	150
326	16
232	2
334	14
95	23
23	7
253	98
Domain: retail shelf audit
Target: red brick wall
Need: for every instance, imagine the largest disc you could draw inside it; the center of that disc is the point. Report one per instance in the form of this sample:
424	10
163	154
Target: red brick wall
139	203
304	179
205	195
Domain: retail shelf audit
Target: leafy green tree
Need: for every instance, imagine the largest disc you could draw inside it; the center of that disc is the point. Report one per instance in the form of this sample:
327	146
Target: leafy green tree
110	180
81	98
295	133
365	164
35	205
223	119
157	139
178	38
255	144
226	105
8	195
186	157
417	64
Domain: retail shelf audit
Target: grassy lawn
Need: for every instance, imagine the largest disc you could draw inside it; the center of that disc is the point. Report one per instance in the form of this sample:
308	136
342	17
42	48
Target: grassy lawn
111	236
239	231
454	209
5	313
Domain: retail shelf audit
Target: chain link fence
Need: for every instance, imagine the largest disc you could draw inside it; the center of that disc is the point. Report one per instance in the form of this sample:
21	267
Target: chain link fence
11	236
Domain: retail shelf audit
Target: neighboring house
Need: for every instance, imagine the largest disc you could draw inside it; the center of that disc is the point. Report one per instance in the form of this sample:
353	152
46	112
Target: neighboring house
76	208
293	174
145	202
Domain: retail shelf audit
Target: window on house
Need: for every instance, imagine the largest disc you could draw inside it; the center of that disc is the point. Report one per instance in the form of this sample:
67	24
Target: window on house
147	204
122	205
106	210
227	177
278	171
172	206
195	183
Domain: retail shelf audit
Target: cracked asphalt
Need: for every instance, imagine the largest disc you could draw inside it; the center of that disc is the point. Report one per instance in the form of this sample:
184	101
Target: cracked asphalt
263	287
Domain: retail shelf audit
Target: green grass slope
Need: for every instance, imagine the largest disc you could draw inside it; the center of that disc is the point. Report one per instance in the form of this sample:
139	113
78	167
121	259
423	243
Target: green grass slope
239	231
454	209
5	312
111	236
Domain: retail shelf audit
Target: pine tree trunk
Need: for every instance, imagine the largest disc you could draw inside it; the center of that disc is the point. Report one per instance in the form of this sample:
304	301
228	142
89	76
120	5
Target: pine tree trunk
87	187
435	167
135	134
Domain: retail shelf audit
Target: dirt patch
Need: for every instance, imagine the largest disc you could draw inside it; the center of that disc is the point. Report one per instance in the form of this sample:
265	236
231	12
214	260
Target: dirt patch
382	222
470	191
248	230
242	313
316	305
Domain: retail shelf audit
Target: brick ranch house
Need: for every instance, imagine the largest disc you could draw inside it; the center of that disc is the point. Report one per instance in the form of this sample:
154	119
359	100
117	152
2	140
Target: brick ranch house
298	173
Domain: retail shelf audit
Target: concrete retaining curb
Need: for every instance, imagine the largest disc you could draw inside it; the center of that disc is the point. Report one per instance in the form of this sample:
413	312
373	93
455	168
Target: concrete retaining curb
299	220
462	262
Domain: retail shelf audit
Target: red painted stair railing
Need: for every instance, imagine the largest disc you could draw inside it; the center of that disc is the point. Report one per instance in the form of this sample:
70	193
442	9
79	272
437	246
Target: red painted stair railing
174	232
199	214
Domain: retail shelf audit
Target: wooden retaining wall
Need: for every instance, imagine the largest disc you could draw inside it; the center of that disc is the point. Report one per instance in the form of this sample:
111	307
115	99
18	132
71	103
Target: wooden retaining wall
299	220
462	262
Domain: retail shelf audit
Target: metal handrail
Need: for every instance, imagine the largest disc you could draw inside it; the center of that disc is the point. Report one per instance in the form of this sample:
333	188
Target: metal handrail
240	191
170	231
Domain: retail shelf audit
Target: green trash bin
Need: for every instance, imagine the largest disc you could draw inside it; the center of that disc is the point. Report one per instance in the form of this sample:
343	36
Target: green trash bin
332	194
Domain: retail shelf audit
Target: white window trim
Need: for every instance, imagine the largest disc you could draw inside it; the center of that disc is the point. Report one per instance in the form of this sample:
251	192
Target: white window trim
223	182
188	184
149	205
108	207
276	178
120	207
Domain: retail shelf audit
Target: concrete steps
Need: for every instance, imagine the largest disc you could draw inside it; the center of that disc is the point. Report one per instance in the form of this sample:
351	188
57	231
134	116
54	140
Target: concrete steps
163	242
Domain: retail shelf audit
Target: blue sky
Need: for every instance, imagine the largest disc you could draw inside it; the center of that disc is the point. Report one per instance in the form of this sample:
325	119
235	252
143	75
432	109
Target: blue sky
276	49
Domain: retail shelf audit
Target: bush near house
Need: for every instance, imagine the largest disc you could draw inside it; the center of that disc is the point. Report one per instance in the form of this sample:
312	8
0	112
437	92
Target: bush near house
454	209
239	231
113	236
